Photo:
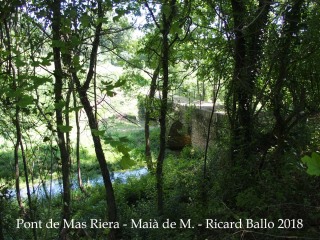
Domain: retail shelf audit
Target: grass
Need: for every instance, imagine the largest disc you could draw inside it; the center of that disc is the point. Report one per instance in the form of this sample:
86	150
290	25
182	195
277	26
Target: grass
135	139
183	190
44	161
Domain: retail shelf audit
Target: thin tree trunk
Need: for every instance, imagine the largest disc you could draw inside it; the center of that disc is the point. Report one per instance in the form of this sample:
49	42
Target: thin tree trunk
77	141
203	91
67	120
25	166
149	100
64	154
82	91
19	142
216	92
95	90
166	20
282	125
10	71
241	86
110	198
17	171
247	55
292	19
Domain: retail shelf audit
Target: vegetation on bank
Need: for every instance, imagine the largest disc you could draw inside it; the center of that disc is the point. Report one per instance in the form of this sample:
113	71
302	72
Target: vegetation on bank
269	197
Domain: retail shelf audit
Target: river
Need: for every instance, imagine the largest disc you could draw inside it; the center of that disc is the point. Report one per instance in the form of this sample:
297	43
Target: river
54	187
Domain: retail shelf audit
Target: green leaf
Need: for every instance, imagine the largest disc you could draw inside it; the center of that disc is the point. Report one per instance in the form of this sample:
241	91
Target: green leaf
11	93
76	61
175	28
109	85
25	100
37	81
58	43
126	162
19	62
313	163
60	105
35	63
116	18
73	13
45	62
123	139
107	140
120	83
85	20
75	41
111	93
65	128
166	9
46	139
76	109
72	109
97	132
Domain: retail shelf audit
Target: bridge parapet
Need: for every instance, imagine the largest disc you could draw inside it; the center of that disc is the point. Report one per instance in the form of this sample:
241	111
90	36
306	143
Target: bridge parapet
196	118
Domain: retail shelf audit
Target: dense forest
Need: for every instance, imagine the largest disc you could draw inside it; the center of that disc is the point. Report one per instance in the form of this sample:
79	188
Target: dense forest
159	119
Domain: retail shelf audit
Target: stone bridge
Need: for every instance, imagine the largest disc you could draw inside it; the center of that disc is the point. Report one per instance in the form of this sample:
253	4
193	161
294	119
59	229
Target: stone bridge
190	123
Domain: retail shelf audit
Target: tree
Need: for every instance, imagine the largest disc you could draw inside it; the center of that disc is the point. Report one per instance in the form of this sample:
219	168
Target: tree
71	59
149	99
266	98
249	34
14	95
58	74
172	18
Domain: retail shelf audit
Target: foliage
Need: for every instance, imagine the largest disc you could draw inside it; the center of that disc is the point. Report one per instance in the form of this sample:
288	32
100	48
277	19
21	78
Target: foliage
61	60
313	163
152	104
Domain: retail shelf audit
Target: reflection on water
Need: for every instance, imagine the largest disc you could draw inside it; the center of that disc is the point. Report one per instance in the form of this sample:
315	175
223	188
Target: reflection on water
54	187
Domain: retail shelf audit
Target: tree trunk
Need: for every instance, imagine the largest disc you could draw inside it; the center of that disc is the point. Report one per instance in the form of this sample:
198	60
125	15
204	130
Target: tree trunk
241	132
166	21
283	120
10	71
25	167
247	54
82	91
111	203
17	172
149	100
67	120
77	141
58	74
19	143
